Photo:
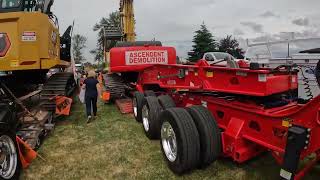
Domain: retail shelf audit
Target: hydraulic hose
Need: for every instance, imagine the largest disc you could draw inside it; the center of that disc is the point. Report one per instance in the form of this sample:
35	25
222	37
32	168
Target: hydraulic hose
317	73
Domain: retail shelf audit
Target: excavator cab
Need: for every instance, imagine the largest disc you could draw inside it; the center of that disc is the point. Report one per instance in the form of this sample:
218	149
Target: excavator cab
43	6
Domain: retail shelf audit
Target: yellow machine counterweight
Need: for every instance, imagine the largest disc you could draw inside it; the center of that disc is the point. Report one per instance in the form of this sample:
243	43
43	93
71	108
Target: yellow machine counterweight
30	45
29	35
34	42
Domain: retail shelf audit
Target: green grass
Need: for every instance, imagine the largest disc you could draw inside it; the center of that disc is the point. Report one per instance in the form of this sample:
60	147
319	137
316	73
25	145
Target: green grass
114	147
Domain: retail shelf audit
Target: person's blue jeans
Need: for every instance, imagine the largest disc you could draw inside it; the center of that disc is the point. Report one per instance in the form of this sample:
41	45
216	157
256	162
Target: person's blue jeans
91	102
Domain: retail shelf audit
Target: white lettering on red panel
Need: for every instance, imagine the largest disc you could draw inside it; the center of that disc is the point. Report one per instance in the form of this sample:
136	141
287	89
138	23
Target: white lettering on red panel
146	57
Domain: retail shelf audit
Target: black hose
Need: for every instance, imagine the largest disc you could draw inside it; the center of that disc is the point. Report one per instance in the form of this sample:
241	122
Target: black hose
306	81
306	84
317	73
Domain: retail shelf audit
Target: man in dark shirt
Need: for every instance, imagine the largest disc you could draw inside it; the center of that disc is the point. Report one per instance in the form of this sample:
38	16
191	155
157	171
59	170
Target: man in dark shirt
91	84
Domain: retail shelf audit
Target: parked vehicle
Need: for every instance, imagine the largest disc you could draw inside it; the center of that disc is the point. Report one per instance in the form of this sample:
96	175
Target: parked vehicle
217	58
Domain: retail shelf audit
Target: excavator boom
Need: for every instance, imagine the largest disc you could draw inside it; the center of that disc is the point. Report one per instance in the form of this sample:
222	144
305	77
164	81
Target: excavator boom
127	20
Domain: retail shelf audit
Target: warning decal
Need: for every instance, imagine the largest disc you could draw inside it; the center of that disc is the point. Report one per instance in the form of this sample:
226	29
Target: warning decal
29	36
146	57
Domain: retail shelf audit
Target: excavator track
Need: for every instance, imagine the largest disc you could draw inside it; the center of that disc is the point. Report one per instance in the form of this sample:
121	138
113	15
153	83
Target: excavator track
115	85
59	84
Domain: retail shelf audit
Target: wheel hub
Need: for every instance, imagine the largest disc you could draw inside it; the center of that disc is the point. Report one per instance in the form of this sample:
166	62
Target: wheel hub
145	118
8	157
169	141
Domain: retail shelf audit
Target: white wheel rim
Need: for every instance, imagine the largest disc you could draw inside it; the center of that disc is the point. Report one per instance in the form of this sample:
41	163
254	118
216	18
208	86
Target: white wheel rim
135	107
145	118
169	141
8	157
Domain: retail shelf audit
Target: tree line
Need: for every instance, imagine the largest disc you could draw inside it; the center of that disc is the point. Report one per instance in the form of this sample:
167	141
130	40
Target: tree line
203	41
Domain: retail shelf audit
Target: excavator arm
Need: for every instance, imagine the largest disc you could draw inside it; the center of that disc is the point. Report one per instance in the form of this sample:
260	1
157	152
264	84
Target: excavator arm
127	20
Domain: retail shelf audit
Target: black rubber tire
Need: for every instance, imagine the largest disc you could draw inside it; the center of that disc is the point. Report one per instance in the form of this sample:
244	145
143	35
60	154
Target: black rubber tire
139	98
154	111
166	102
17	173
150	93
209	135
188	152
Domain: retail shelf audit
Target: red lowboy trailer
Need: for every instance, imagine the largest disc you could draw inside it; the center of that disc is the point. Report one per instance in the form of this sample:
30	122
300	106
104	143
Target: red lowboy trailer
202	112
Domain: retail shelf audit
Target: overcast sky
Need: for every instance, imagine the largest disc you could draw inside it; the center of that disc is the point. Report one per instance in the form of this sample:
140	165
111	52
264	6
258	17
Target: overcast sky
174	21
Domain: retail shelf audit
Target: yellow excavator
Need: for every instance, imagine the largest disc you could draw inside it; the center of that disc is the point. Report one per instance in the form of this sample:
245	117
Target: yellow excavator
30	45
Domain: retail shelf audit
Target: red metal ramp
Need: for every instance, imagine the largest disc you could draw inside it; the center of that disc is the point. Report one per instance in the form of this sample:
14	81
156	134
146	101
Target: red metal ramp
124	105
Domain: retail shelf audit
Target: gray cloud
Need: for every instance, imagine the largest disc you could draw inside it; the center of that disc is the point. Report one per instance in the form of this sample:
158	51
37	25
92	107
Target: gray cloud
301	22
257	28
182	47
202	2
264	38
308	33
268	14
238	32
175	21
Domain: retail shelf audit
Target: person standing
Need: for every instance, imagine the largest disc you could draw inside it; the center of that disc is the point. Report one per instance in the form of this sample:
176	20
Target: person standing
92	87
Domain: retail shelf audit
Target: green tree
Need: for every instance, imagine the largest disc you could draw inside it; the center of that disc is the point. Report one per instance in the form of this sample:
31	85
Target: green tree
78	44
114	21
203	42
231	46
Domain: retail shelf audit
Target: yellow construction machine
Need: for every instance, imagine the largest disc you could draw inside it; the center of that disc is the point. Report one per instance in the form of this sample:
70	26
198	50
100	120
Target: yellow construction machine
29	37
30	45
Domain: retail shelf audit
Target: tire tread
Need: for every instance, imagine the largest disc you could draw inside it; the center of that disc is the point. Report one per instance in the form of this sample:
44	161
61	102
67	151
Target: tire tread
209	134
189	140
166	102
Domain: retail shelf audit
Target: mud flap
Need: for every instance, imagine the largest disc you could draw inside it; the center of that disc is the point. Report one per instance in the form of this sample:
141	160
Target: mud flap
297	139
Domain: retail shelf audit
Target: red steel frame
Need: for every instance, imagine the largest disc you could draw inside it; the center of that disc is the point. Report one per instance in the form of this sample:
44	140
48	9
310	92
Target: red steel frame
248	128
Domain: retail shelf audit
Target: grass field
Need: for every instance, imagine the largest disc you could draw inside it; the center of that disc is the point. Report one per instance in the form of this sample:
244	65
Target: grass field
114	147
